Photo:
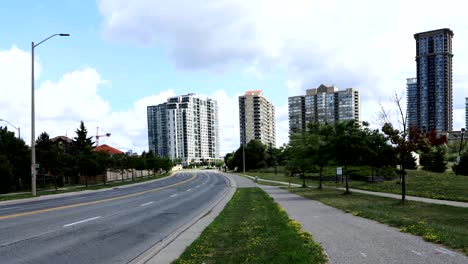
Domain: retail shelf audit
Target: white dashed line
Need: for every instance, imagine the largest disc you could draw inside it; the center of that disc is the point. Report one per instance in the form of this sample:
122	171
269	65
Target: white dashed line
188	190
82	221
174	195
417	253
146	203
364	255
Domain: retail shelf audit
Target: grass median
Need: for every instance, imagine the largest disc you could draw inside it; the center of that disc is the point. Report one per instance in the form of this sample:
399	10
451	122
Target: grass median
253	229
435	223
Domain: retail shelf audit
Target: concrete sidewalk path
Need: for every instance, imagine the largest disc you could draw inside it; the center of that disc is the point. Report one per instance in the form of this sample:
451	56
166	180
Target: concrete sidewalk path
351	239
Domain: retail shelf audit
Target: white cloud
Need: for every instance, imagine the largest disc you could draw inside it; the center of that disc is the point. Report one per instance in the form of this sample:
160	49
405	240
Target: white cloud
62	104
367	45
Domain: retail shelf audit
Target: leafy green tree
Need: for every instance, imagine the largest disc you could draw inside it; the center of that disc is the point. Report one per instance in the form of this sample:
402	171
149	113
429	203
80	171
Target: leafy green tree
349	146
140	164
436	161
14	162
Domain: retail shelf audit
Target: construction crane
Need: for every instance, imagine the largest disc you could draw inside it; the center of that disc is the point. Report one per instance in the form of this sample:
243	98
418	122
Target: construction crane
98	136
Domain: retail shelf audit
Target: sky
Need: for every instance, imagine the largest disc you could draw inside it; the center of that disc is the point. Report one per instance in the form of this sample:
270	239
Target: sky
122	56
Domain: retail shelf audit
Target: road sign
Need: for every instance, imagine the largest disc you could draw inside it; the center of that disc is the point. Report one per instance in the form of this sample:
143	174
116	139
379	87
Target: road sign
339	171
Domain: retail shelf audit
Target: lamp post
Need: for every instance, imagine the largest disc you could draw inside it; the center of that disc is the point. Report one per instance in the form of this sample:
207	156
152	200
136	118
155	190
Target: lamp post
17	128
462	132
33	139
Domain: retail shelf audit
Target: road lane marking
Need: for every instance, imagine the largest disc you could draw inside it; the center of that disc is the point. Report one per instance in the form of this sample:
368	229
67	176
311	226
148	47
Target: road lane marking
6	208
188	190
94	202
445	251
82	221
146	203
198	185
364	255
417	253
174	195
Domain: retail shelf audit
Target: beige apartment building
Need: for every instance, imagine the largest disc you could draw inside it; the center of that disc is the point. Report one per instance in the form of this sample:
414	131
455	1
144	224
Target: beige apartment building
256	118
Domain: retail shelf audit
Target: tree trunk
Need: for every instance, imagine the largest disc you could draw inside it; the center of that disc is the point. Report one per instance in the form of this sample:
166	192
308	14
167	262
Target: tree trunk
320	177
403	182
346	180
303	180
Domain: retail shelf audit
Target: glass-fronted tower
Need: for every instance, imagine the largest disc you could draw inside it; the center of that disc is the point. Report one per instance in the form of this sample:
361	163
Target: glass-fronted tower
434	101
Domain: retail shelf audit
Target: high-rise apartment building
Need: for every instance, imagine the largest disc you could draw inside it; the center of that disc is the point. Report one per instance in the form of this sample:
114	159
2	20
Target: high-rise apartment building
466	112
185	127
411	101
325	104
256	118
433	97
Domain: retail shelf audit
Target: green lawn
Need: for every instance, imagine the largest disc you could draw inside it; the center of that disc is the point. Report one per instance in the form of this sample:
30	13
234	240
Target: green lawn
444	186
253	229
80	188
436	223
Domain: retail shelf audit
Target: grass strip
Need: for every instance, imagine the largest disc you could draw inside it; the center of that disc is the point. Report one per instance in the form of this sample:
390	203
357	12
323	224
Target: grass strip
113	184
253	229
435	223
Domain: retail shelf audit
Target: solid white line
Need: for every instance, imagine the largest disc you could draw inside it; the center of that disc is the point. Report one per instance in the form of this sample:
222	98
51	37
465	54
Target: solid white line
146	203
8	208
82	221
174	195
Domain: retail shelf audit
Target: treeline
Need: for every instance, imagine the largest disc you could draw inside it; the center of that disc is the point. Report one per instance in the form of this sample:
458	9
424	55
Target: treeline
347	144
65	162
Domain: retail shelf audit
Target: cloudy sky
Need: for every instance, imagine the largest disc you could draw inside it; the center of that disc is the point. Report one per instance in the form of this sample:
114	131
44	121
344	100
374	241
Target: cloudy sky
124	55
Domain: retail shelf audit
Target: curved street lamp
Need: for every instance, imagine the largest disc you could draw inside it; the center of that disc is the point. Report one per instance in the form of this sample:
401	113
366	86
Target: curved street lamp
33	139
17	128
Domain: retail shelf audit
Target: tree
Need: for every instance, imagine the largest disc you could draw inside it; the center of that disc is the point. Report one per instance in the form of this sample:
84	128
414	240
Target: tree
436	161
400	140
348	146
15	171
298	153
82	145
321	148
82	142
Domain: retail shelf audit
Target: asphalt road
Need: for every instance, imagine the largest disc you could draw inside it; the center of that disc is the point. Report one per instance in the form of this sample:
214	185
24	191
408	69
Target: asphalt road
112	226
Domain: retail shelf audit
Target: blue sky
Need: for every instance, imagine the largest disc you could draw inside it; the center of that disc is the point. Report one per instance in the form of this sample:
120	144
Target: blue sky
124	55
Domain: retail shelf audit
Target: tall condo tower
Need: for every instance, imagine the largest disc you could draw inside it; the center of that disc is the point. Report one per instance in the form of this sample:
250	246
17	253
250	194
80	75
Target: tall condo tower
256	118
185	127
433	100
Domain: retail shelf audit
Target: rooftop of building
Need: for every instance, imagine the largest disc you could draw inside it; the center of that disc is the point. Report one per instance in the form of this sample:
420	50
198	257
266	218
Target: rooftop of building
108	149
254	92
433	32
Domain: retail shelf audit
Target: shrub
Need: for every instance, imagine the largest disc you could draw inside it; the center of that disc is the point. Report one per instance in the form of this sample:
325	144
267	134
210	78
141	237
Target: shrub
462	166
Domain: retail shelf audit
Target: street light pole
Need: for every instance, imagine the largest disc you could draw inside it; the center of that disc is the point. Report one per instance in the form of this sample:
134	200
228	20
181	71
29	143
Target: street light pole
33	139
461	143
17	128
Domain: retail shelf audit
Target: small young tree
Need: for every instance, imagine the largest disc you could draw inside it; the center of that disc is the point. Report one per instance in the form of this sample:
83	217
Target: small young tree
400	139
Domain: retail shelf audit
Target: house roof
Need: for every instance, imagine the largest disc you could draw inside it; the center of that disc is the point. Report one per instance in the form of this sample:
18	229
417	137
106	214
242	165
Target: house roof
108	149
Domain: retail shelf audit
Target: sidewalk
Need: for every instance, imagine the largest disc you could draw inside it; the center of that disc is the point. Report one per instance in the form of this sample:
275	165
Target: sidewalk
389	195
352	239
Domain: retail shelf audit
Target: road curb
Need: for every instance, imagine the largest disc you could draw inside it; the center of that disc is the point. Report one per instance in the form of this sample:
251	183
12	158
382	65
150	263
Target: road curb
174	244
